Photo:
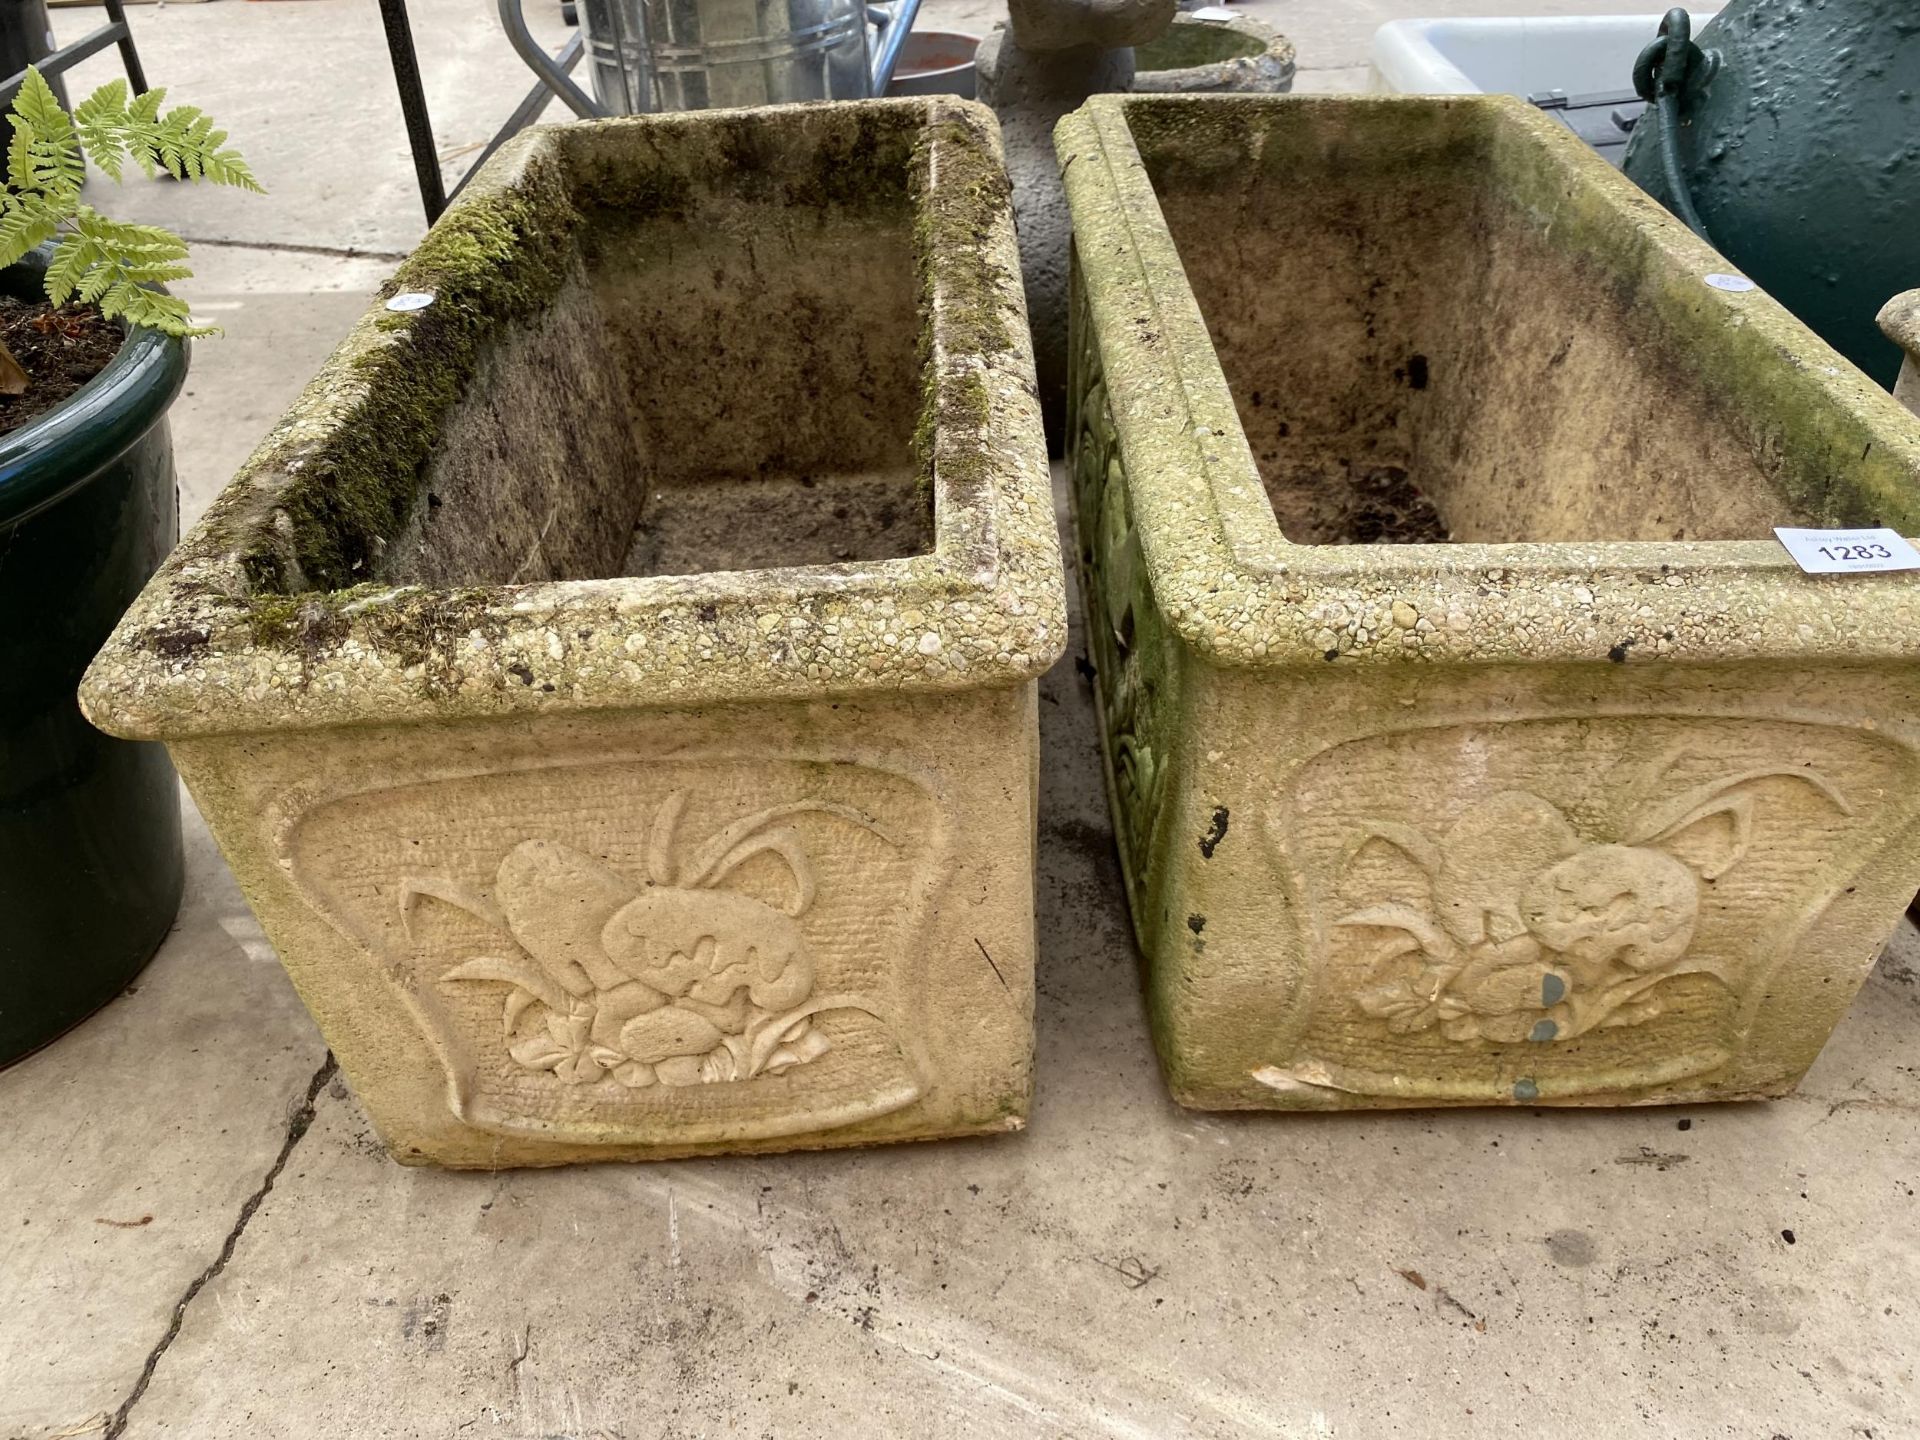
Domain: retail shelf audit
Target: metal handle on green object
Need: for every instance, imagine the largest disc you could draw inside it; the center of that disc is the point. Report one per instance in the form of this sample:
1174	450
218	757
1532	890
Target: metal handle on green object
1668	69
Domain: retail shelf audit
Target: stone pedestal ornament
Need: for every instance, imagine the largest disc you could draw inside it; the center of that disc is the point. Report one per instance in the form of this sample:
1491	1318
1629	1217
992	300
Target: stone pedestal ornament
1057	53
1030	92
1900	323
613	682
1469	739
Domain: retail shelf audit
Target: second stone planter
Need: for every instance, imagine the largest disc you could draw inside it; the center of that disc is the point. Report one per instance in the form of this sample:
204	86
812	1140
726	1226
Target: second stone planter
613	682
1470	742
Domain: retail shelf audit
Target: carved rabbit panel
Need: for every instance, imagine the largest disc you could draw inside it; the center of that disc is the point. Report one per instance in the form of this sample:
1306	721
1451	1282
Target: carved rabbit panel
1567	906
687	948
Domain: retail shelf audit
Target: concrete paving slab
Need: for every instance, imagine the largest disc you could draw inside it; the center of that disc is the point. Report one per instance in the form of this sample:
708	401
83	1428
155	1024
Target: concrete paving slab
306	93
131	1148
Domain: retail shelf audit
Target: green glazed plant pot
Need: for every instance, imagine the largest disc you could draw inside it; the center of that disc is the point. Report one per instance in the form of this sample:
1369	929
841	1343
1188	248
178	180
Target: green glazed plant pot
90	858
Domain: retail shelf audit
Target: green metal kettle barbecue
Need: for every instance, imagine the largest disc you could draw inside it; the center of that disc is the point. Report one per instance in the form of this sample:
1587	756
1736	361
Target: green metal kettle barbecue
1789	136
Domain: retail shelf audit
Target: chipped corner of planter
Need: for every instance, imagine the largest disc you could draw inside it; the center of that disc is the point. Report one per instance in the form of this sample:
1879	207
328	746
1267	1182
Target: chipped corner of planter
1600	802
614	820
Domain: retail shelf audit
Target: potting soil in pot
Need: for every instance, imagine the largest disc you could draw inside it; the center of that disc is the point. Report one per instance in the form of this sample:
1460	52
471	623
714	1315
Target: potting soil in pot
60	348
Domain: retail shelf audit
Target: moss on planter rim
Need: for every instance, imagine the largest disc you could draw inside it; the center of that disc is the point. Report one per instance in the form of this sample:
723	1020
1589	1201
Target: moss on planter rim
956	210
488	264
282	577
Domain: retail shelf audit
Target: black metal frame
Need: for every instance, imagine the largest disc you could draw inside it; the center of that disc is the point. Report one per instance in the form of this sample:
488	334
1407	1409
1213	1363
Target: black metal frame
114	32
434	194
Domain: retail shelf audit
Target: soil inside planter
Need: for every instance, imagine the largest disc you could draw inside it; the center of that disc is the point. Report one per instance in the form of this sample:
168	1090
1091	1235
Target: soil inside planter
1417	355
1381	506
776	520
60	349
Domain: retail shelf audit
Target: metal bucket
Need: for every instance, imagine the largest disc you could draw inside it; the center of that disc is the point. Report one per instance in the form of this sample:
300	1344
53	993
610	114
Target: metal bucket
936	62
649	55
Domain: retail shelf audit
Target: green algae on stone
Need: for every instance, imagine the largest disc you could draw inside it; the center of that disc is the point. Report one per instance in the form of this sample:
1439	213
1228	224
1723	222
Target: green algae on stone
489	265
318	509
952	237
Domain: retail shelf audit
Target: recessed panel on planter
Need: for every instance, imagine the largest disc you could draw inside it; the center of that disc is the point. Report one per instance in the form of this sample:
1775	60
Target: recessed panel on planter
613	683
1469	740
1552	907
711	950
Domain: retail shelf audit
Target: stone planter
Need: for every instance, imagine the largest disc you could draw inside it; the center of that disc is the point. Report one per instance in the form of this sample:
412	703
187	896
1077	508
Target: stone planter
1239	56
613	682
1603	802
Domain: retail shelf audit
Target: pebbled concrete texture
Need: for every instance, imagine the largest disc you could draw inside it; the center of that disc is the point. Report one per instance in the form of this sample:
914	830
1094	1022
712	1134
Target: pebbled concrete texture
1121	1269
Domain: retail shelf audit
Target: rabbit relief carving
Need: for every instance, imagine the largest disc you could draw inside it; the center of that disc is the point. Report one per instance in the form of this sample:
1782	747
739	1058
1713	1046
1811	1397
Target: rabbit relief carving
669	980
1532	931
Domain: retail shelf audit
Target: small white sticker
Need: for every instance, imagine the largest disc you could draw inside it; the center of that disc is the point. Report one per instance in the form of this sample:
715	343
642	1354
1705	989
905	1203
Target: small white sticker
411	300
1212	12
1739	284
1848	552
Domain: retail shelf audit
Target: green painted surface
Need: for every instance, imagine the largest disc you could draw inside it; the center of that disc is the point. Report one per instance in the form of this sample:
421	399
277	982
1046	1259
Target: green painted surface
1802	155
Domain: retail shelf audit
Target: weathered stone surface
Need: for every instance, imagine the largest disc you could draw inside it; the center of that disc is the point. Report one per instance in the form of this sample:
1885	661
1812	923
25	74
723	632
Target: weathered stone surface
1196	56
1900	321
894	1288
1604	802
1102	24
575	862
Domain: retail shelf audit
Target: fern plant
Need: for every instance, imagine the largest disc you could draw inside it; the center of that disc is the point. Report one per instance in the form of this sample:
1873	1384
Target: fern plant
113	265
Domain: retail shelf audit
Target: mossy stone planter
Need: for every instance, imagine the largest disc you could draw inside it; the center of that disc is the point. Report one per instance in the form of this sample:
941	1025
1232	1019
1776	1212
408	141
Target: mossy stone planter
90	859
1604	801
613	682
1240	56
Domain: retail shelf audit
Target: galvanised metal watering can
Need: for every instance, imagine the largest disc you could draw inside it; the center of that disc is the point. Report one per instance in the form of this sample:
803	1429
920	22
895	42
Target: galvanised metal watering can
1789	137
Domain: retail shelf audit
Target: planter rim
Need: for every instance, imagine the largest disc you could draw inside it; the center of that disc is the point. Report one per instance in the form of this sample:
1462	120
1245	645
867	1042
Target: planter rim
1236	590
985	607
1276	49
60	450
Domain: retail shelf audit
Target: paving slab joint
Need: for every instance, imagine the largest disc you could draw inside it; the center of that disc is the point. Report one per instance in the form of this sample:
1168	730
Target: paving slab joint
297	1125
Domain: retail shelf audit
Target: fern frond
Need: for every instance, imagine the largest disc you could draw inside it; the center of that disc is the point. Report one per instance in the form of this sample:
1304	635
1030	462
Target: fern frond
26	220
37	104
100	120
151	309
44	153
112	263
183	141
115	265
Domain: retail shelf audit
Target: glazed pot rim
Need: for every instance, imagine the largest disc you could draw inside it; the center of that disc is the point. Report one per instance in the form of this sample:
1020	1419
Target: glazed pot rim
62	449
